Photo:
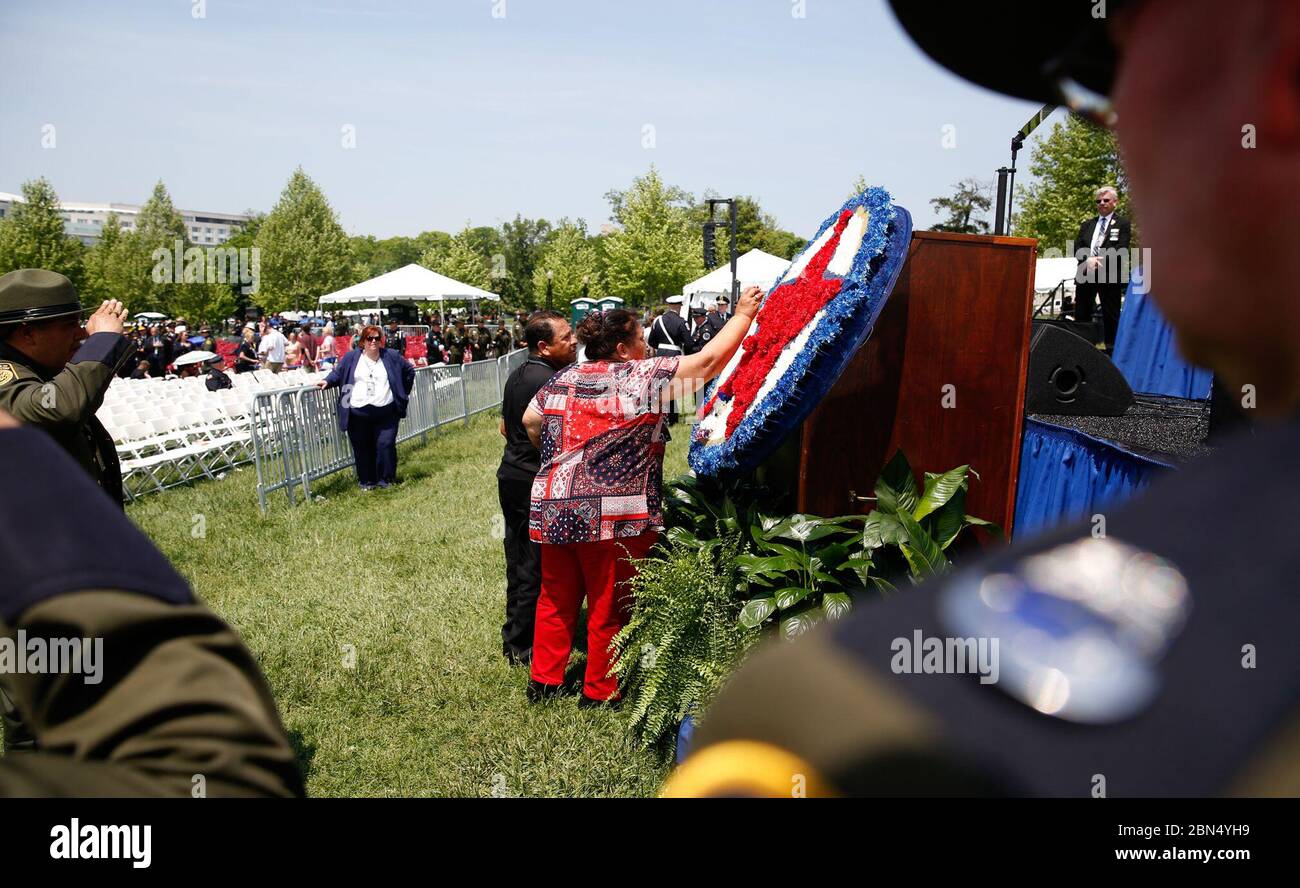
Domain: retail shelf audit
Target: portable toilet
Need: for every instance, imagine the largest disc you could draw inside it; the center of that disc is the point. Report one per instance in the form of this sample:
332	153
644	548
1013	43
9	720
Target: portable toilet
580	308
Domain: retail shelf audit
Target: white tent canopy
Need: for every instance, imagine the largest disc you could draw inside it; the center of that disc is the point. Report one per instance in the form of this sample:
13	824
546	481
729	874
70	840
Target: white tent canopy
755	267
410	283
1048	274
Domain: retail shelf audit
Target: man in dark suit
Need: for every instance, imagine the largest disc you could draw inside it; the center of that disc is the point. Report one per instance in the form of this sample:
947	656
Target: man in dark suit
1102	251
551	347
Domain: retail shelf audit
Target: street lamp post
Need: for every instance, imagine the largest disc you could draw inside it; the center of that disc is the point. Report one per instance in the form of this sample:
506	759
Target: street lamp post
550	280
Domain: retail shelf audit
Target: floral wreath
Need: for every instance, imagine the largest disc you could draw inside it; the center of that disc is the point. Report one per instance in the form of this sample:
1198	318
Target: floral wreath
808	328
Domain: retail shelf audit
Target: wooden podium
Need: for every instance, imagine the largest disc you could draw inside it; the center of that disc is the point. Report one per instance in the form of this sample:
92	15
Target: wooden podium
942	376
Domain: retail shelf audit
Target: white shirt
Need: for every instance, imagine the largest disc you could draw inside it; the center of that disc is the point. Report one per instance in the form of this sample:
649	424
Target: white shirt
273	346
370	384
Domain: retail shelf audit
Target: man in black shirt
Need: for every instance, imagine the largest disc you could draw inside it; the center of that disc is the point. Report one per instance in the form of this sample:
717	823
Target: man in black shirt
551	347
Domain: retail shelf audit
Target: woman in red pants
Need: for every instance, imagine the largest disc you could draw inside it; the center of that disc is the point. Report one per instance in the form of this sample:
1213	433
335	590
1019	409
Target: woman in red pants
601	429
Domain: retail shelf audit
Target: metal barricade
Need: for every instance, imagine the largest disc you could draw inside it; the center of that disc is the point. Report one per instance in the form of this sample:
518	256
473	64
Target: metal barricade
296	435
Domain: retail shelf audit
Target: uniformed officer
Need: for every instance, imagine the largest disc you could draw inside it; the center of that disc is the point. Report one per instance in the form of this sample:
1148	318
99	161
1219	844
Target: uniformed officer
702	329
180	708
435	344
503	340
1135	657
54	373
670	337
517	331
456	342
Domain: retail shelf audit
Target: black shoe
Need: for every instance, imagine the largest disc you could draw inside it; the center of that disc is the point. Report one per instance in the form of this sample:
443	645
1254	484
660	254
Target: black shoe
537	692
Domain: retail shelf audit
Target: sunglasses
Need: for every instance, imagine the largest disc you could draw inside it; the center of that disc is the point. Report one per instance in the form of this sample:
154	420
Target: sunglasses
373	338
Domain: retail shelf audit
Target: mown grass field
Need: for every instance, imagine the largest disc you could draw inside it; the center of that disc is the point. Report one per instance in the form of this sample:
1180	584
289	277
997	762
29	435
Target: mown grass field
412	580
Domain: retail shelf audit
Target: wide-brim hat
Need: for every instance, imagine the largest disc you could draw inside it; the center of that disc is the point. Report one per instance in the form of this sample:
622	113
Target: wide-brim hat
1010	48
34	294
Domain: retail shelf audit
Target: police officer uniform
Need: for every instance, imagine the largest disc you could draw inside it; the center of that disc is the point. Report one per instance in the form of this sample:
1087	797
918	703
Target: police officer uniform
702	332
181	697
1130	656
504	341
435	344
61	401
456	342
670	338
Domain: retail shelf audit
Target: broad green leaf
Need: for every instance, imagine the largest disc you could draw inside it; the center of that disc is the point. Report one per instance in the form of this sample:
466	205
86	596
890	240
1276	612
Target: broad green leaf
883	586
680	536
836	604
780	548
939	489
896	486
767	564
797	624
790	596
946	523
995	529
923	554
882	528
833	556
755	611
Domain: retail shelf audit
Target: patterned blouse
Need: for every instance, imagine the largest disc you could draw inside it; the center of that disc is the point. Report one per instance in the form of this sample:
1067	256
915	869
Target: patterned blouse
603	436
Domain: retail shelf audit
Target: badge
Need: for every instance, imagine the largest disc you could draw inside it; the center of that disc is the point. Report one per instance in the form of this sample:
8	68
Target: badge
7	374
1080	627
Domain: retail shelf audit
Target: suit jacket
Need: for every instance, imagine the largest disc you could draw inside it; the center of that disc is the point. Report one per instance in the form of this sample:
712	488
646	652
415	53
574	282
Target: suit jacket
401	376
1113	253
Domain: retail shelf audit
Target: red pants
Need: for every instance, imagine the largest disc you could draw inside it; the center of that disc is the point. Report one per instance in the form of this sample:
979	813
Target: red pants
599	571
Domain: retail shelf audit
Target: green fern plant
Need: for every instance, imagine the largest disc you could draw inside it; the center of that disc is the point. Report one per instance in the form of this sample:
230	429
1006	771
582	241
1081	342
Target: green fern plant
684	637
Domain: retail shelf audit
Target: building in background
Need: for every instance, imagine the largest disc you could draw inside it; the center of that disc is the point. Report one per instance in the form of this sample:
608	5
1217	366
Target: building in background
85	221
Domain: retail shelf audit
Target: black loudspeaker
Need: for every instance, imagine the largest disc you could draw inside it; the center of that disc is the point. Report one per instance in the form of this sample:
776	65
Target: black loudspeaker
1089	330
1068	375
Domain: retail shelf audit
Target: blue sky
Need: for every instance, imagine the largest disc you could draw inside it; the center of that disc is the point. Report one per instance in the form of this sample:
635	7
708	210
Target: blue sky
462	116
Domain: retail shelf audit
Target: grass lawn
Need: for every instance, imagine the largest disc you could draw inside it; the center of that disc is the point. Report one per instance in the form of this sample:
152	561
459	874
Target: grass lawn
413	580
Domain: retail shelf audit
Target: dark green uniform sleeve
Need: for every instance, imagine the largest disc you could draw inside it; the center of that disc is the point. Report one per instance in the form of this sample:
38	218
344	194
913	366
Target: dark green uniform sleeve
180	705
74	395
174	701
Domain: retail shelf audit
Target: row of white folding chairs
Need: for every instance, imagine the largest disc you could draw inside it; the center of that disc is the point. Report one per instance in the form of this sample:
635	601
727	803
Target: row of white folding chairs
171	450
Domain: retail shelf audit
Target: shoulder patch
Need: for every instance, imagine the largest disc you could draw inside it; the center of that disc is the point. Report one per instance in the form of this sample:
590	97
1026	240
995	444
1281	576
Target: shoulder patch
1081	626
7	373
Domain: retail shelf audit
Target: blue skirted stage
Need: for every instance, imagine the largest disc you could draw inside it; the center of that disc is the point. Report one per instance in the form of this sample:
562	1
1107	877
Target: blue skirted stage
1146	355
1074	467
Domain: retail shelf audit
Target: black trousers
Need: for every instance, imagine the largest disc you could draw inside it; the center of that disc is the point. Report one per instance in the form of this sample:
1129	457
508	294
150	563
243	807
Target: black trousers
523	571
1086	296
373	433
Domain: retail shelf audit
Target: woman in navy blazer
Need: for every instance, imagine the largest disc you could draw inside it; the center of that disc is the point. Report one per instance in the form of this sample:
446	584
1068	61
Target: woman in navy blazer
374	385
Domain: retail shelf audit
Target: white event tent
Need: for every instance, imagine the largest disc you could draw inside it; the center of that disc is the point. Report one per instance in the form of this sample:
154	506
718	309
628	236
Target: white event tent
410	283
755	267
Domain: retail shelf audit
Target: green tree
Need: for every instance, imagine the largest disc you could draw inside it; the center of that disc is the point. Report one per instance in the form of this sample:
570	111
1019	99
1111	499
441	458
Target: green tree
32	235
570	256
524	242
656	249
461	260
970	199
304	251
245	239
1068	164
109	265
148	255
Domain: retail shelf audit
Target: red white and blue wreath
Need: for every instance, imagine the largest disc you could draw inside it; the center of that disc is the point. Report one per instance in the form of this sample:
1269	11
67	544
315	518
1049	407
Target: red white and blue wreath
810	324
